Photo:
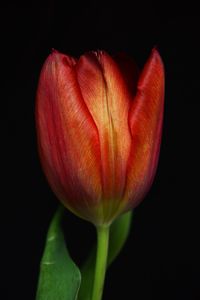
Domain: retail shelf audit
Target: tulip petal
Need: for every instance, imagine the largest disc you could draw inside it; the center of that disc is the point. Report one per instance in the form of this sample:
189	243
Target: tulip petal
108	100
68	137
145	119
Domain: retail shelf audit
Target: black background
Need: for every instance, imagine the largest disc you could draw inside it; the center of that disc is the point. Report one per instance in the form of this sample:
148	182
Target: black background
161	257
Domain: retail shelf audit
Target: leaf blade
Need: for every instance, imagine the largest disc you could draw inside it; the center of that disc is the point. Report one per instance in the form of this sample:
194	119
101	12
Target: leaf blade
59	277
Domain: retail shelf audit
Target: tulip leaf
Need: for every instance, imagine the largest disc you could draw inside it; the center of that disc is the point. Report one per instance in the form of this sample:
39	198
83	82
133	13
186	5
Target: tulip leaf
119	232
59	277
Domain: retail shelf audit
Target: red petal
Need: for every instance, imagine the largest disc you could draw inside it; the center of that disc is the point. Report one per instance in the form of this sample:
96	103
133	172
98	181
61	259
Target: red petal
108	100
145	121
68	138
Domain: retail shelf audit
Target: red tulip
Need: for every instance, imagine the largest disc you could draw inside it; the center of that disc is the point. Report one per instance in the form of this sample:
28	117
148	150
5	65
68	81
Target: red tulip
99	124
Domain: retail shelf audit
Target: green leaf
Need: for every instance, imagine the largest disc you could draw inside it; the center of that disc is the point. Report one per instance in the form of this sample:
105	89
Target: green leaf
119	232
59	277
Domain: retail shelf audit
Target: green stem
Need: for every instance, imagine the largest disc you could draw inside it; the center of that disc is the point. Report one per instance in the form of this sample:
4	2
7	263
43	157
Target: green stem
101	261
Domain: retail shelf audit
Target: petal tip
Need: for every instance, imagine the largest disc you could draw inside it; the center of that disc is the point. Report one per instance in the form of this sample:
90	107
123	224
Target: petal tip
53	50
155	56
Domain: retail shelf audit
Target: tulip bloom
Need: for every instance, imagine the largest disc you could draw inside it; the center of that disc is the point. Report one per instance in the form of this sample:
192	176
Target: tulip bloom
99	123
